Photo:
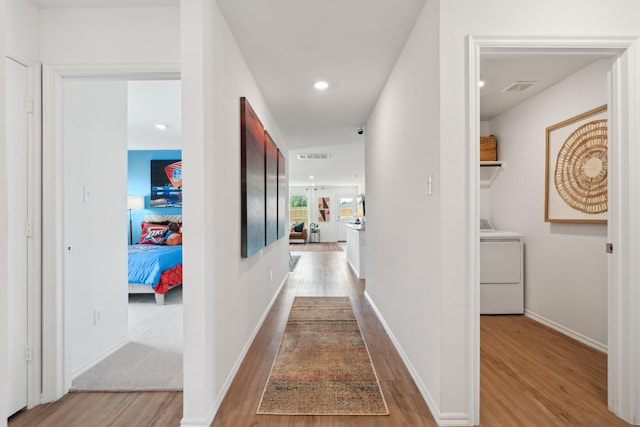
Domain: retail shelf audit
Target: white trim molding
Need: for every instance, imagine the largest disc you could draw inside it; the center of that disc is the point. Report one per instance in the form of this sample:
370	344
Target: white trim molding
56	363
624	234
188	422
624	205
442	418
567	331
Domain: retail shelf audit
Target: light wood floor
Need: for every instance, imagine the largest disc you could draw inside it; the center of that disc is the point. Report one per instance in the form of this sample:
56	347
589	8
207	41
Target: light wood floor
530	375
323	274
97	409
317	247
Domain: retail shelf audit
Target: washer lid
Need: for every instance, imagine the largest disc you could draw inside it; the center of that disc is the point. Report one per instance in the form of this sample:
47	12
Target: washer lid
497	234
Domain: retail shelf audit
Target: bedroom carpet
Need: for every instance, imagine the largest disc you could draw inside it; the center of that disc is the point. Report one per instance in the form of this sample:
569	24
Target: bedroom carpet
152	360
322	366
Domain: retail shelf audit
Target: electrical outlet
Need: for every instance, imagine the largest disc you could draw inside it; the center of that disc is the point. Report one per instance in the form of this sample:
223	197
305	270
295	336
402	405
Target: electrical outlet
97	316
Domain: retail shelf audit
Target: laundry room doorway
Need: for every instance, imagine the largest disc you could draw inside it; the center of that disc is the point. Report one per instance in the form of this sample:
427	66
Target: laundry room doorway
617	58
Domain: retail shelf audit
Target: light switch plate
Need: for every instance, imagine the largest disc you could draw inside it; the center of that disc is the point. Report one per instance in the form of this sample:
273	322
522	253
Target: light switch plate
87	194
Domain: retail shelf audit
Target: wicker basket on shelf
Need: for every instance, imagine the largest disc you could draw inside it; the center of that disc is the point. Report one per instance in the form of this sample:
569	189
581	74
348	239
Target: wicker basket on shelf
488	148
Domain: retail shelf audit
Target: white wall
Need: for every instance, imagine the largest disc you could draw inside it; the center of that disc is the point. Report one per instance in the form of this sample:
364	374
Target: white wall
402	148
95	161
75	42
329	229
485	128
597	18
22	31
424	278
226	294
110	35
4	320
18	27
566	265
485	175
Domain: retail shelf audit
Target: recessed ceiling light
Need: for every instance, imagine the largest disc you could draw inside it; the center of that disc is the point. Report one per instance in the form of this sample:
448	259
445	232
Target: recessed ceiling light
481	83
321	85
311	177
161	126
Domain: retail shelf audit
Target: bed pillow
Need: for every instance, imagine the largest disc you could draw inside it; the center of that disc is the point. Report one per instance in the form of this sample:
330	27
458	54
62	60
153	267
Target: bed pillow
153	234
174	238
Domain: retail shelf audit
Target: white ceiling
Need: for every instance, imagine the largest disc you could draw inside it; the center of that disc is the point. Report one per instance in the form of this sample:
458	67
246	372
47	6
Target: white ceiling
499	71
353	45
150	103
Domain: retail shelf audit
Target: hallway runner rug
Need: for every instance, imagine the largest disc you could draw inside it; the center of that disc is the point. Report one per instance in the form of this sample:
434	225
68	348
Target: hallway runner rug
322	366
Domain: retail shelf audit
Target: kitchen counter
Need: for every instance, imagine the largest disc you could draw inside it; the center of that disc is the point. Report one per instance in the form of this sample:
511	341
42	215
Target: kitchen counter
355	249
359	227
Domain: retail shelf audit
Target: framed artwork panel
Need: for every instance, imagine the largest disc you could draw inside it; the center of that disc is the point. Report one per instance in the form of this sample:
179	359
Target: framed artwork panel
271	189
282	195
324	212
252	167
576	179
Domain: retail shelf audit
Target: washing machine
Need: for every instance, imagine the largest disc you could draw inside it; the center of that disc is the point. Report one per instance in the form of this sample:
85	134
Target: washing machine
501	271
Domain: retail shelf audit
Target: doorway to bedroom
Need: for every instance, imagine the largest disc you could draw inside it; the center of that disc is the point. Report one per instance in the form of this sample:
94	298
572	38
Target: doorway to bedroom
126	333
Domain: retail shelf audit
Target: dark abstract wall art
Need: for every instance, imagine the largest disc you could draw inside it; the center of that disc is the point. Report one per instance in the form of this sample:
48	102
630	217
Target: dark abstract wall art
264	184
271	189
282	195
253	180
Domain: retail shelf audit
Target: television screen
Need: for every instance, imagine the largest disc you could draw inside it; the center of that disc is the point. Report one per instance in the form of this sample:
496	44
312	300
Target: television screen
166	183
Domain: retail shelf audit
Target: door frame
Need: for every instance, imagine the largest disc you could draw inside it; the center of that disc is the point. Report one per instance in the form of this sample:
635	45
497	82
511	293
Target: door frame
624	208
34	244
56	361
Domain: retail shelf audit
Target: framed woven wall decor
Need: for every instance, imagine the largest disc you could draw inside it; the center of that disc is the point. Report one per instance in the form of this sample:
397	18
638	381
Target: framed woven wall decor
576	181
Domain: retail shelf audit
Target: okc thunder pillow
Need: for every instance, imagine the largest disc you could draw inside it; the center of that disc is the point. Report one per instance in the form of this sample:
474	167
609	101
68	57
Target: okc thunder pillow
153	234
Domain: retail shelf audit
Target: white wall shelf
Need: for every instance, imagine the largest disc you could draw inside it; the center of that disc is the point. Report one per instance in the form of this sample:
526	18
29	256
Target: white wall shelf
496	163
489	171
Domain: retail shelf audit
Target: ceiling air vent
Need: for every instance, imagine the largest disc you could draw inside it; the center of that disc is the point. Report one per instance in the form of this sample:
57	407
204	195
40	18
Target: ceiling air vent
314	156
518	86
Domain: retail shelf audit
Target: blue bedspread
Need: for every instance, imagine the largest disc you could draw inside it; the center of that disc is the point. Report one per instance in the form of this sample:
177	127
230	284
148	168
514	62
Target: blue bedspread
147	262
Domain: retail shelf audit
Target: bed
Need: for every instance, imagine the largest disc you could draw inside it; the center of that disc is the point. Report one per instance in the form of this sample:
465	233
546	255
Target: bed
155	266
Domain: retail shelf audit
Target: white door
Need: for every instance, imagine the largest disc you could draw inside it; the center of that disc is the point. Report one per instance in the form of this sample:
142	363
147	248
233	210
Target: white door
17	183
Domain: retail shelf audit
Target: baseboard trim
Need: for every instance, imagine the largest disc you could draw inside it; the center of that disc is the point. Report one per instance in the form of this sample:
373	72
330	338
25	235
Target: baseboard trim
197	422
451	419
568	332
358	274
443	419
191	422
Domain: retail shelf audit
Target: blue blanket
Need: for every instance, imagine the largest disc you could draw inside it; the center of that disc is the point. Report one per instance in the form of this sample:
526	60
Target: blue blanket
147	262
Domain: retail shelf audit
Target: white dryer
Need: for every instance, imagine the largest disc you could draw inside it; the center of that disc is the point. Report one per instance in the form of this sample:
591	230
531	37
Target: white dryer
501	271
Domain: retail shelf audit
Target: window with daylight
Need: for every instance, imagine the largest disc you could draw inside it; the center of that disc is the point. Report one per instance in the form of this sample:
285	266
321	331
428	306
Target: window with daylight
299	209
347	205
